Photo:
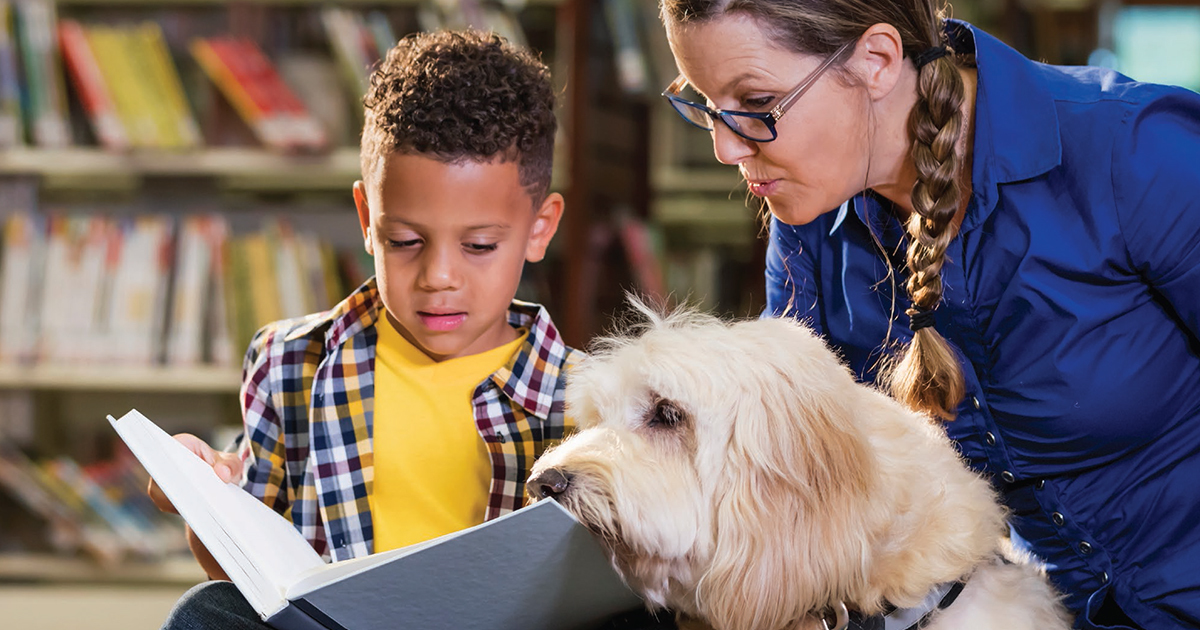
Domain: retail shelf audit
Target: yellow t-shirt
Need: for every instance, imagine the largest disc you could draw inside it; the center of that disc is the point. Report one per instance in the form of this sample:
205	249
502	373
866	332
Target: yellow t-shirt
432	469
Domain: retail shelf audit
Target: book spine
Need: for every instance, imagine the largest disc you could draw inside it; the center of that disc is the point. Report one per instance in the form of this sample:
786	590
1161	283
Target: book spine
11	127
345	38
16	286
299	128
89	83
169	87
143	80
219	59
99	40
47	104
220	323
192	268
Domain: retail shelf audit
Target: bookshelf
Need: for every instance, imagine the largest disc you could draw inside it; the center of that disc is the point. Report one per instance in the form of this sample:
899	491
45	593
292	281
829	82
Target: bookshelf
260	196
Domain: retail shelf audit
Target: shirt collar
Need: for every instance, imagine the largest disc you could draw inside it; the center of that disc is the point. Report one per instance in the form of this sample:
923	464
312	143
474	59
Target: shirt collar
350	317
530	377
1016	120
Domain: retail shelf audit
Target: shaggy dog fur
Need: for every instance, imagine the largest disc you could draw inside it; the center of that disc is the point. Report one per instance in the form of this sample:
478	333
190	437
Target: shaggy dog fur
740	476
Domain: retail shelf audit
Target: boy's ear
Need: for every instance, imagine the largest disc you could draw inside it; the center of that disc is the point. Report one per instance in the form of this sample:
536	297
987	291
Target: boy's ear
364	215
545	224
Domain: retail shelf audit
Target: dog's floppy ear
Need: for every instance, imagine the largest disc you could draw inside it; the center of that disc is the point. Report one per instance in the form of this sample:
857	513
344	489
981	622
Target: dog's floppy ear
790	517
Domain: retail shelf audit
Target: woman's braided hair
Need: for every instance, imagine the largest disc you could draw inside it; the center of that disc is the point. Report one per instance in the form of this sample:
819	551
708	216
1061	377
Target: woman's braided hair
928	376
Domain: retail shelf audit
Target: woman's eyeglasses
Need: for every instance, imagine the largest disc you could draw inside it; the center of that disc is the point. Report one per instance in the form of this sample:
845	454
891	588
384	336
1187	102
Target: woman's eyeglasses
753	126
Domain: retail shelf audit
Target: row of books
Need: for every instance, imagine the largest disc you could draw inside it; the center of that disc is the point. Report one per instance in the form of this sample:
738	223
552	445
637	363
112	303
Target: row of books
129	77
152	290
100	510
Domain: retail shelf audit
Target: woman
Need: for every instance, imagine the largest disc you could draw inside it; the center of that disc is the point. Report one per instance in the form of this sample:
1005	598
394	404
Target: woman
1020	242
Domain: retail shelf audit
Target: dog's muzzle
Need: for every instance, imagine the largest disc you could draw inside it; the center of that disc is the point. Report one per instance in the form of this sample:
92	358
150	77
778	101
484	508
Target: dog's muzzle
548	484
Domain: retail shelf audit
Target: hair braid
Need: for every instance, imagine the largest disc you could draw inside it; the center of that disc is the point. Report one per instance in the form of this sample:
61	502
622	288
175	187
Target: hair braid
929	377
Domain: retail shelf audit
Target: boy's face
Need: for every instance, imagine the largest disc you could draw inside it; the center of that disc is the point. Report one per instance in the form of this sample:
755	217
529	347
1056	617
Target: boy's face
450	242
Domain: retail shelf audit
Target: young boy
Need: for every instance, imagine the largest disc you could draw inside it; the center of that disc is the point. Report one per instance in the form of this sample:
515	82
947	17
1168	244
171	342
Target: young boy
417	406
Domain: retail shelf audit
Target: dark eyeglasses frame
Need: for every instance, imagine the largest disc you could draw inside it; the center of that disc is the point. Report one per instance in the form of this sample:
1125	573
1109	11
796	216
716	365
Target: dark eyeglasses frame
729	117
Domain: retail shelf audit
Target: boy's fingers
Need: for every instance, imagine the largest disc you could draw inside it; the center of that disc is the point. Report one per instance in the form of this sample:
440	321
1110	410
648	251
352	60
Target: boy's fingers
198	446
228	467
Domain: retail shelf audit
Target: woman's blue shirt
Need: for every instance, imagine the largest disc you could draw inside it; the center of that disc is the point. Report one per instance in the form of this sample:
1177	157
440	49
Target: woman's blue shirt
1073	296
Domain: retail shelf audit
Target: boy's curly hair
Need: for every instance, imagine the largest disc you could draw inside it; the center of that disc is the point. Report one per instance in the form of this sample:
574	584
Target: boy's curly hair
462	95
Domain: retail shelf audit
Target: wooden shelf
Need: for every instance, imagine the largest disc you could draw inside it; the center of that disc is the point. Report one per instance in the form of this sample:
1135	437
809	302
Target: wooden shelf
237	168
59	569
121	378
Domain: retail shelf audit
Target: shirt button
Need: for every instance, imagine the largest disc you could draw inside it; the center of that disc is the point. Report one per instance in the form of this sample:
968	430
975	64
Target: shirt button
1104	578
1007	477
975	401
989	438
1041	483
1058	519
1085	548
500	438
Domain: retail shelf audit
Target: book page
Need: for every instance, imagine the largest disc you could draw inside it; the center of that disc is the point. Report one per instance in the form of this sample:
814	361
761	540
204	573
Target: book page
260	550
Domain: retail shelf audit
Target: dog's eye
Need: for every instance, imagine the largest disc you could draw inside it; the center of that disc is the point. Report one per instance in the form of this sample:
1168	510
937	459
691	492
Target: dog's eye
666	414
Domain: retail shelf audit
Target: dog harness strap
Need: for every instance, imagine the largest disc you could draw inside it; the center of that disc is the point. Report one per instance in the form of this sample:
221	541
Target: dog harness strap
913	618
909	618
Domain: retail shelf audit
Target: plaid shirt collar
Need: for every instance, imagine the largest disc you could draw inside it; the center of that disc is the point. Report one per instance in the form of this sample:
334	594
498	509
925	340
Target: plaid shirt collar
525	380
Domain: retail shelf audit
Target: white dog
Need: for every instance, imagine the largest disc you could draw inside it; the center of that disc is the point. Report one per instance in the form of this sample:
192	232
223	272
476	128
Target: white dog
740	476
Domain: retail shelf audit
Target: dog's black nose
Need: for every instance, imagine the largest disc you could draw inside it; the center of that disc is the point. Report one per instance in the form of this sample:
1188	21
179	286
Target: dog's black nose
548	484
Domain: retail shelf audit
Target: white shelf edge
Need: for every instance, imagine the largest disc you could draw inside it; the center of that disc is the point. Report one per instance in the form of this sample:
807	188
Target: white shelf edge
203	379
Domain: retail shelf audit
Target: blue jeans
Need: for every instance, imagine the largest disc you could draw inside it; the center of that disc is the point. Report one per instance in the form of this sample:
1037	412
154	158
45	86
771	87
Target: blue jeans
213	606
220	606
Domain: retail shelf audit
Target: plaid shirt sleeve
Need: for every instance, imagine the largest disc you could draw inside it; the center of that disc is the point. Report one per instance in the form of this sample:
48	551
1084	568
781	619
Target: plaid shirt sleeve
262	447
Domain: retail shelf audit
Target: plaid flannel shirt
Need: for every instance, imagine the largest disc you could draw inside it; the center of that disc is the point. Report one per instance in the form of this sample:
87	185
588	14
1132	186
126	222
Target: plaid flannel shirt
307	406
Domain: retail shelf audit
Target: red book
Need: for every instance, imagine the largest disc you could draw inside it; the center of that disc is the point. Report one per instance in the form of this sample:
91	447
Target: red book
89	83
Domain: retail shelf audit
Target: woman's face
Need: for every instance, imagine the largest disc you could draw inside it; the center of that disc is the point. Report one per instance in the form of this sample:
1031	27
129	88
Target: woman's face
820	157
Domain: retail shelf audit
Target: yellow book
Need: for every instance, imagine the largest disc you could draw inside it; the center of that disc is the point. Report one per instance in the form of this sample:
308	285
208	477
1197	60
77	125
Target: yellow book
150	102
264	283
167	84
110	55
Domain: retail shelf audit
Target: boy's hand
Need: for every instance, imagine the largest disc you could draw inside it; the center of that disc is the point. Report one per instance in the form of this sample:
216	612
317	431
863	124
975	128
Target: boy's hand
228	467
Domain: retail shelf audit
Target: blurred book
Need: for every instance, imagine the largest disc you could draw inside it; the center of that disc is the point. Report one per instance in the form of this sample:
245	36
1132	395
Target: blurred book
629	55
21	287
11	127
151	290
45	92
248	79
100	510
97	100
352	44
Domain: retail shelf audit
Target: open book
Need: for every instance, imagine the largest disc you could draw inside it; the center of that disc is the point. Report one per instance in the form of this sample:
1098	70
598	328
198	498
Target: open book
534	568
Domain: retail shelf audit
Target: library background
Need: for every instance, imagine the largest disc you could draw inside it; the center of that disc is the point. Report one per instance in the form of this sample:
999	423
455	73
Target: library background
175	173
